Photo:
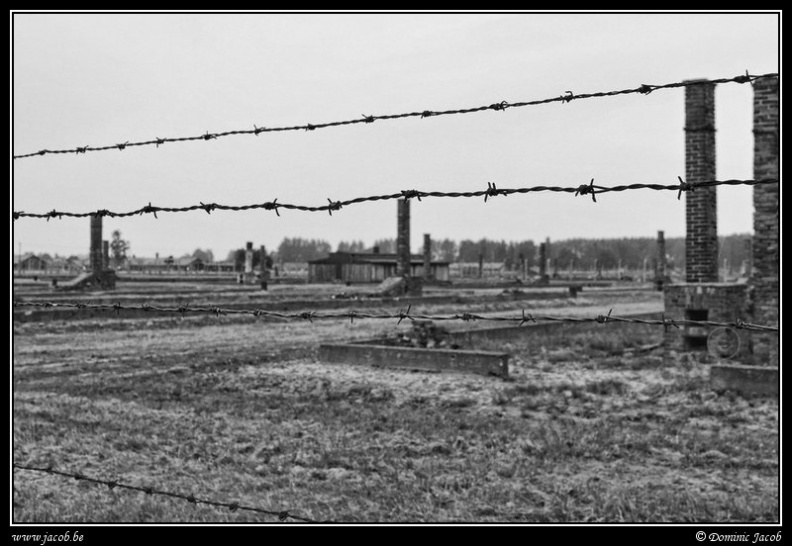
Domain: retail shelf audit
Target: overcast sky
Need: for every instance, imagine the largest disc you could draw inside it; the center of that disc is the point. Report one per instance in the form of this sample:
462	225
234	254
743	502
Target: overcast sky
91	79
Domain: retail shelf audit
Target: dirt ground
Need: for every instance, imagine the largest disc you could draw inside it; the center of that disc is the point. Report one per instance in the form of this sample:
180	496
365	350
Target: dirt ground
596	424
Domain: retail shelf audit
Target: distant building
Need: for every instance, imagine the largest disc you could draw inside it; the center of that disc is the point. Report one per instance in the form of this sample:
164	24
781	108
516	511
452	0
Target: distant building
293	269
190	264
471	269
148	265
368	267
31	262
221	267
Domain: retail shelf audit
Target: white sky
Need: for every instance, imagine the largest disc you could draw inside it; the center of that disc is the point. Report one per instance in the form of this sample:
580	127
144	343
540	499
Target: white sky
91	79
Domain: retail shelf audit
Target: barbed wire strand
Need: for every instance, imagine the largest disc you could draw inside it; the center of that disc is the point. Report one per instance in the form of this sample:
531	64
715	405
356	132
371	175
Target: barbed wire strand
567	97
400	315
282	515
491	191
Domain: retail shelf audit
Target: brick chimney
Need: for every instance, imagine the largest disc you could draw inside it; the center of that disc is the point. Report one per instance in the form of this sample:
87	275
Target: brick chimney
701	242
106	254
403	238
702	297
427	256
660	263
96	253
249	258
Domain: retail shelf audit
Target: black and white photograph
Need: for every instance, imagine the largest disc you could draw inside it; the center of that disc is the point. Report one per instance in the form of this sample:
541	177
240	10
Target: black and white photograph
405	269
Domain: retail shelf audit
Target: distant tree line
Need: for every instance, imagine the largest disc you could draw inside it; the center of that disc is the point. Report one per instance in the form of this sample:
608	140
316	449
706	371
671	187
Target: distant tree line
578	253
297	249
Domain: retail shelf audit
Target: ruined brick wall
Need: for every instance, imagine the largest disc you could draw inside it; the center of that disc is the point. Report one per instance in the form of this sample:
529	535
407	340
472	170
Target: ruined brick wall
716	302
765	266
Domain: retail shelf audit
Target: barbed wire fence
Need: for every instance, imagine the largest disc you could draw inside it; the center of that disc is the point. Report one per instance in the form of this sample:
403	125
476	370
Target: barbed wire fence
501	106
282	515
491	191
310	316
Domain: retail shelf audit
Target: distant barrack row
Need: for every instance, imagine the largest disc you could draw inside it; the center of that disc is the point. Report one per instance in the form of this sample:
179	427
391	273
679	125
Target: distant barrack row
310	316
568	96
491	191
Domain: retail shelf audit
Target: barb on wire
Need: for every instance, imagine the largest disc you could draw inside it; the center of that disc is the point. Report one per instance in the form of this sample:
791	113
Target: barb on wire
526	318
333	205
491	191
603	319
586	189
404	315
684	187
409	194
282	515
399	316
503	105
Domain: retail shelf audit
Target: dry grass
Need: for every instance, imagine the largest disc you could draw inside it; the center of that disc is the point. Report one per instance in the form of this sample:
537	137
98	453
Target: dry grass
588	429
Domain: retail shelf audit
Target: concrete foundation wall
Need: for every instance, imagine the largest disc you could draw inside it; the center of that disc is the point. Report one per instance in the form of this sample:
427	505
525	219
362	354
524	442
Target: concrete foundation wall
763	380
435	360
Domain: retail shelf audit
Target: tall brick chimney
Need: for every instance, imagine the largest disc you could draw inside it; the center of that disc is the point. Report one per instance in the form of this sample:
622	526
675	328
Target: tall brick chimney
96	253
660	263
542	259
106	254
249	258
263	263
701	242
403	238
765	267
427	256
702	298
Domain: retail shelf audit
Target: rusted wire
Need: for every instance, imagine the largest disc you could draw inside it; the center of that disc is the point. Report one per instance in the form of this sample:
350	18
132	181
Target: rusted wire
567	97
282	515
310	316
490	191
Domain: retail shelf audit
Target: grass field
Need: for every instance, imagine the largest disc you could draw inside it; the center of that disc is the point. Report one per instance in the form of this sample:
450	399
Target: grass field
594	425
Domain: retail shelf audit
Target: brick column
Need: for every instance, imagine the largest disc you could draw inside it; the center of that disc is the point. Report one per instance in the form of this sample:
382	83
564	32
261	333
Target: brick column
264	272
106	254
427	256
766	230
249	259
403	238
660	263
96	254
701	243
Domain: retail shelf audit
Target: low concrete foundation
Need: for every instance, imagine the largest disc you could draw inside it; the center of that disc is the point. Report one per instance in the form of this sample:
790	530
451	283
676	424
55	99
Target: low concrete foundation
762	380
104	280
435	360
